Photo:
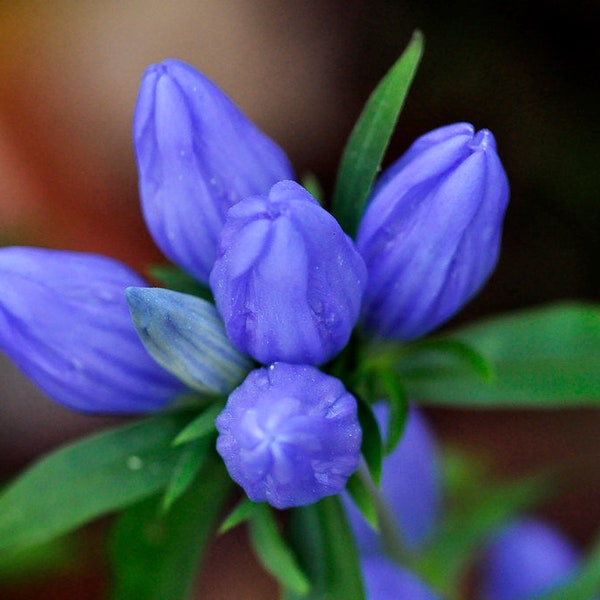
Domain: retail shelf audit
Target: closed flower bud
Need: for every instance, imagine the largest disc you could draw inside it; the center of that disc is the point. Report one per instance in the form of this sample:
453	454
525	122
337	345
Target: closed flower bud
525	559
289	435
386	580
288	281
410	487
65	322
430	235
197	155
185	335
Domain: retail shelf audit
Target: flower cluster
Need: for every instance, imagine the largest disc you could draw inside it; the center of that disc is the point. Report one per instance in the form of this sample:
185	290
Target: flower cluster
289	285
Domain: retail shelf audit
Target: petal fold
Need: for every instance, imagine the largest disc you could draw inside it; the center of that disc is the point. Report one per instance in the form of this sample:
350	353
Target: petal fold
197	155
289	435
430	235
65	322
288	281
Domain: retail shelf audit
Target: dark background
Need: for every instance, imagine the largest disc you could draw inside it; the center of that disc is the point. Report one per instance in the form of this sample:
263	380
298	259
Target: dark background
302	70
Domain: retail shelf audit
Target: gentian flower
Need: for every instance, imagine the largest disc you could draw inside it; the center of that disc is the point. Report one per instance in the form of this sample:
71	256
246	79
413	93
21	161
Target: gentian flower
386	580
288	281
289	435
526	558
430	235
410	486
65	322
197	155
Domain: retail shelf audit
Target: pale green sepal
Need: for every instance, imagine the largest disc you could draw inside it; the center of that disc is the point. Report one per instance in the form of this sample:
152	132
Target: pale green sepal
186	336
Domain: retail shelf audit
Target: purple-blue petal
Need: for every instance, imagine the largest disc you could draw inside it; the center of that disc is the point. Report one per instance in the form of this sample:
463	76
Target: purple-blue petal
386	580
526	558
430	235
289	435
197	155
288	281
410	486
65	322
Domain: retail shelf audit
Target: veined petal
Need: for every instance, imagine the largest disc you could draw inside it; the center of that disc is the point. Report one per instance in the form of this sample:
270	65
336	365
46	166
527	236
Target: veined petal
186	336
197	156
65	322
290	435
430	235
288	281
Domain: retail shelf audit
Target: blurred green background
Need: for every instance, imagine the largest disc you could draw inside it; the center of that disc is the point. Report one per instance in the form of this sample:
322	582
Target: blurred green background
302	70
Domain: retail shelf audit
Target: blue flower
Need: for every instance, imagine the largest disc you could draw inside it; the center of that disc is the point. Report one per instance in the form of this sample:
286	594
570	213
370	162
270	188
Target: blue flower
430	235
289	435
524	559
386	580
410	486
197	155
65	322
288	281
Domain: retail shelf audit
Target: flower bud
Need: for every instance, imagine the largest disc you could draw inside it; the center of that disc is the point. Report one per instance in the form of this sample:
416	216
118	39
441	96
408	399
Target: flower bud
386	580
65	322
186	336
289	435
430	235
410	486
288	281
525	559
197	155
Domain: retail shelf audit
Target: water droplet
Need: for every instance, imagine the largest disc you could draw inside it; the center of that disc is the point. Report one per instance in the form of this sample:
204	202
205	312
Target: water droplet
134	463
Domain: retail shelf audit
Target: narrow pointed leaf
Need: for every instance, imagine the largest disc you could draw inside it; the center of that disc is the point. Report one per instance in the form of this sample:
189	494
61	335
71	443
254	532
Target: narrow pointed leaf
88	478
201	426
273	552
321	537
157	555
369	139
241	512
192	459
371	447
546	357
363	499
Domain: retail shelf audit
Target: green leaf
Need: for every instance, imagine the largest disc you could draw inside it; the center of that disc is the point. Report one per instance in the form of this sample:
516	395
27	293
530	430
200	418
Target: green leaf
547	357
363	498
241	512
465	354
88	478
584	583
202	425
273	552
398	409
192	459
155	555
321	537
175	279
371	446
370	137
